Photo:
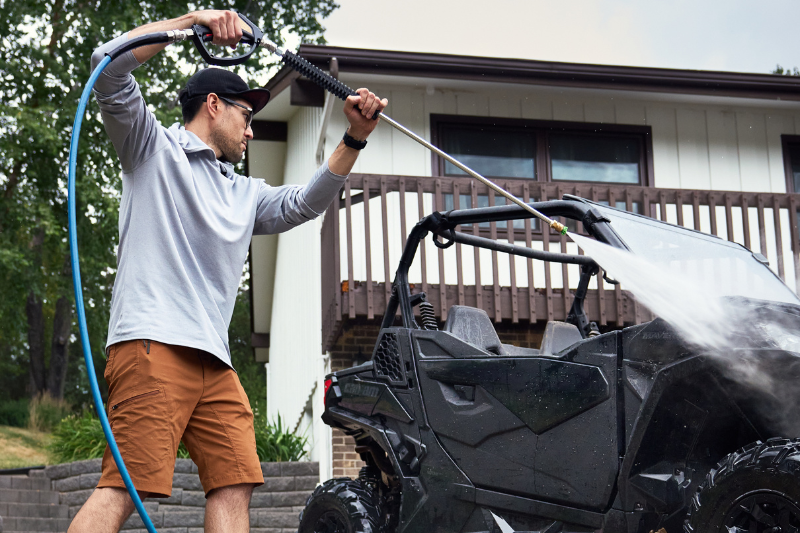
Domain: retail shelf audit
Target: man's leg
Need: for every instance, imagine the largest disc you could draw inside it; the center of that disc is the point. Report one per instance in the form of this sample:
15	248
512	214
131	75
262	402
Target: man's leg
104	512
221	440
228	509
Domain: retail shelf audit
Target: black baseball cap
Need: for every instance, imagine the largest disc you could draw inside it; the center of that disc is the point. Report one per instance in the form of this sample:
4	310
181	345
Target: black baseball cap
224	83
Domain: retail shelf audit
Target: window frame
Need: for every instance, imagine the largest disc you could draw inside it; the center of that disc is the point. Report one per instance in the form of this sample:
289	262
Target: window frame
786	142
541	129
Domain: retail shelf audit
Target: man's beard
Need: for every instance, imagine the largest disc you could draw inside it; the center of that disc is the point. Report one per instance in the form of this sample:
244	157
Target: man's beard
231	150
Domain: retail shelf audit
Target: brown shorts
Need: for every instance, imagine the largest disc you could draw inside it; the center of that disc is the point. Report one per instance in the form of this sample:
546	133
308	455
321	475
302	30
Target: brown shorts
170	394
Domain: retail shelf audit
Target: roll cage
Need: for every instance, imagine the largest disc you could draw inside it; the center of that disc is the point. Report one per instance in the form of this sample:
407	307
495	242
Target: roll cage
442	226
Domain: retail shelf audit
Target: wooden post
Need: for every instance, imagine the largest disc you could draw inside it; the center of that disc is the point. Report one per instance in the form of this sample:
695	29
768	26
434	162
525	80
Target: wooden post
368	252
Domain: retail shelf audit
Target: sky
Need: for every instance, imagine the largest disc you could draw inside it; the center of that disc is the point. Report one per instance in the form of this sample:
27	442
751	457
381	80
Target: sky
731	35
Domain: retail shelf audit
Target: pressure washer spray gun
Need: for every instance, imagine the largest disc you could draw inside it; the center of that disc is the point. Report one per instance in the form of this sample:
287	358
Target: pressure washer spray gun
255	39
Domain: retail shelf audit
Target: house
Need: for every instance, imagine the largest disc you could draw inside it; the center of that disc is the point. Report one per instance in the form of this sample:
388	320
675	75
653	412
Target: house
714	151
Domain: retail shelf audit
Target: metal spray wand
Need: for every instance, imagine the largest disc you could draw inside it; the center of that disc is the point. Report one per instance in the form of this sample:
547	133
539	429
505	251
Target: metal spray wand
342	91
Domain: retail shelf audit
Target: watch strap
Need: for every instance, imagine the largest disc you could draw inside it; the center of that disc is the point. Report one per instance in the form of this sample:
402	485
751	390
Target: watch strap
353	143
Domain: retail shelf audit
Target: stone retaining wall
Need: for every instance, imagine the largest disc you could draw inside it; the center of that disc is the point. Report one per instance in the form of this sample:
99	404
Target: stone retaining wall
274	508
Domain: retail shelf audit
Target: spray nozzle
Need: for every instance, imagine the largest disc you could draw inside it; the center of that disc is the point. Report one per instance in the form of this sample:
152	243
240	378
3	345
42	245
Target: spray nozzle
559	227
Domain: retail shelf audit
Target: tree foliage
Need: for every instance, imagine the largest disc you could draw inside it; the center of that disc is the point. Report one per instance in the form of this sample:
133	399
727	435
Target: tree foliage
45	52
785	71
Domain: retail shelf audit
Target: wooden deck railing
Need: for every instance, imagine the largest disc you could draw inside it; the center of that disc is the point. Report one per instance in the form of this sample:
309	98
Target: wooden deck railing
363	236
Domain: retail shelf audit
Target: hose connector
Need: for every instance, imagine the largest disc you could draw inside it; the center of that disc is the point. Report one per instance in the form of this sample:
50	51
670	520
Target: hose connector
558	226
179	35
272	47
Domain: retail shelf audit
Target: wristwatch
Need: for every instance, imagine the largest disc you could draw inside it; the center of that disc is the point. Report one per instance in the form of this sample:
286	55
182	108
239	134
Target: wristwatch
353	143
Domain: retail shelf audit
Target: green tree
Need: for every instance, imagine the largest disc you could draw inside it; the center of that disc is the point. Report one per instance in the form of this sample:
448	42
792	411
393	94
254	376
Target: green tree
785	72
45	51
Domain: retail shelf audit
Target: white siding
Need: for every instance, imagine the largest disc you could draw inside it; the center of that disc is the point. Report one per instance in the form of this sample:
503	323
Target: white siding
664	124
266	160
752	140
295	336
314	429
693	149
723	150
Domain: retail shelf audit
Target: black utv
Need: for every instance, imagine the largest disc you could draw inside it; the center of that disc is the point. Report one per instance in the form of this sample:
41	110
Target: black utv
631	430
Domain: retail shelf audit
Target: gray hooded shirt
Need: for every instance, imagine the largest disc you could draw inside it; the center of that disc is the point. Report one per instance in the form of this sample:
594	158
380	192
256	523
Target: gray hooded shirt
185	221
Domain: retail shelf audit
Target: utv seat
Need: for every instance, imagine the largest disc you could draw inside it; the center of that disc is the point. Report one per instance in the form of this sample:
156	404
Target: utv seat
519	351
475	327
558	336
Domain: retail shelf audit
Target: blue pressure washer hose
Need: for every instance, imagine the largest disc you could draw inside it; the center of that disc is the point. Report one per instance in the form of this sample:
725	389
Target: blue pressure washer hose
144	40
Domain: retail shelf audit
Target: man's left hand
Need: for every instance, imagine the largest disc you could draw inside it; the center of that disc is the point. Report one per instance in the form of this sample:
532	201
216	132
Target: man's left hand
359	110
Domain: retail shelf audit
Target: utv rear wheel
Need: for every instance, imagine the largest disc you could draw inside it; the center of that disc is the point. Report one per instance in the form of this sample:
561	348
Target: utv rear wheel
753	490
341	505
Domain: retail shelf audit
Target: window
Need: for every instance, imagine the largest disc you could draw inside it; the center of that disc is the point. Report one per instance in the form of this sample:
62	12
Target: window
598	158
501	153
791	160
545	150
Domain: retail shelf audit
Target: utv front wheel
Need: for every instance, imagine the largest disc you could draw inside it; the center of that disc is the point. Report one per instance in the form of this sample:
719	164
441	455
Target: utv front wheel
341	505
753	490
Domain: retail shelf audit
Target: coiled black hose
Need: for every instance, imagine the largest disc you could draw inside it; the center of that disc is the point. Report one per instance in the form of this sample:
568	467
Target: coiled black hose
321	78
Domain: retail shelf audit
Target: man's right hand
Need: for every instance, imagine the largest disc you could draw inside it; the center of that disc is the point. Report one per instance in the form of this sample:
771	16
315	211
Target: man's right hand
226	26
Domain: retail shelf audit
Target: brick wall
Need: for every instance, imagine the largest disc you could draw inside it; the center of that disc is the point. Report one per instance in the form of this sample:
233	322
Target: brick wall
274	508
522	334
355	343
346	462
354	346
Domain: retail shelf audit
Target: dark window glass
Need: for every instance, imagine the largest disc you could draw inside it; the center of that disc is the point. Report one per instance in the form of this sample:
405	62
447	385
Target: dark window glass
794	157
490	152
620	204
604	159
464	202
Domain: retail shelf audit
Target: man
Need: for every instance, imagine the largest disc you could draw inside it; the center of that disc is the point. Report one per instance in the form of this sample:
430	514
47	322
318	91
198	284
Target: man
186	220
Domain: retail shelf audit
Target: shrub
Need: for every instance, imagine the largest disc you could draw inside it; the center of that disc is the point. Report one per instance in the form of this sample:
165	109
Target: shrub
76	438
183	453
45	412
14	413
80	437
274	443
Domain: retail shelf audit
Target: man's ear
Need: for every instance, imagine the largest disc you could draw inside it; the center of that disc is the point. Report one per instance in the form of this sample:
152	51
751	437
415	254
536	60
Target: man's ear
213	105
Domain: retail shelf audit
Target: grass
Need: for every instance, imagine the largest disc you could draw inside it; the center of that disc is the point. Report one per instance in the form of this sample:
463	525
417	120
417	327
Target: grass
22	447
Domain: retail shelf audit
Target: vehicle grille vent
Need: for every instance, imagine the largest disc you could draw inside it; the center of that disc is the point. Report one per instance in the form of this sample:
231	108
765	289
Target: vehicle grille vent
387	361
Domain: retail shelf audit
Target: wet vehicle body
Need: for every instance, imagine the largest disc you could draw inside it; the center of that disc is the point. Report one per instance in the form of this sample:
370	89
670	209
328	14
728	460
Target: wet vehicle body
610	432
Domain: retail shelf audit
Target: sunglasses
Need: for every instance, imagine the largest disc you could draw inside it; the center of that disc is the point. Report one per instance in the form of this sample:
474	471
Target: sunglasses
249	118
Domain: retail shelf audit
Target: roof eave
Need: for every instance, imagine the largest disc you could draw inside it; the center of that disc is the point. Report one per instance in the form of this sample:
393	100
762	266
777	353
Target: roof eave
532	72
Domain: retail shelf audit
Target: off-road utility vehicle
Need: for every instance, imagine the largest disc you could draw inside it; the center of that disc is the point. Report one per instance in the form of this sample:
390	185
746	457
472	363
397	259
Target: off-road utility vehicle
625	431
